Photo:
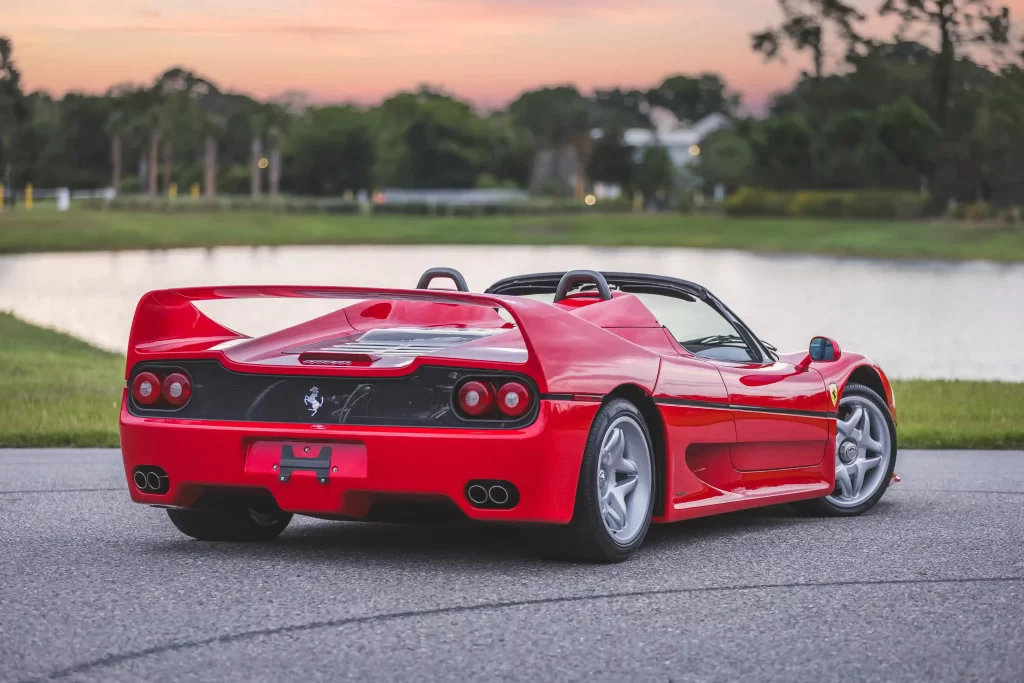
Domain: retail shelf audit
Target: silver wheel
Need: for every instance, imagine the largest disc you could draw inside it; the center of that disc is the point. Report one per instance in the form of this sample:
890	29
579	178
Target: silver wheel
624	480
863	451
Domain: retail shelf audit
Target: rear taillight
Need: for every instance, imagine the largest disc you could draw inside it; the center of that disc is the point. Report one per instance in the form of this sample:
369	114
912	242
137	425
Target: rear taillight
146	388
475	398
177	389
513	399
492	398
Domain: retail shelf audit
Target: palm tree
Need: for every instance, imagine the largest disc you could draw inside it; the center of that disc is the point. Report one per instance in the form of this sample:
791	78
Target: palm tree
254	177
153	166
176	121
213	128
115	129
274	136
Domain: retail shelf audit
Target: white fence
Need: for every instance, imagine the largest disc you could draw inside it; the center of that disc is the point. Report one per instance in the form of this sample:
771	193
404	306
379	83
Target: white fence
12	197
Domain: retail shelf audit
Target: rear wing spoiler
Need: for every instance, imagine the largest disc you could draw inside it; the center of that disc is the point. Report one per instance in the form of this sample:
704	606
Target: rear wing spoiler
559	344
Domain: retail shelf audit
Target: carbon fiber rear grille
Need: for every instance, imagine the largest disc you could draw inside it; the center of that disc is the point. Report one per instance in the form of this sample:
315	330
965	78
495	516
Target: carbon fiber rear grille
420	399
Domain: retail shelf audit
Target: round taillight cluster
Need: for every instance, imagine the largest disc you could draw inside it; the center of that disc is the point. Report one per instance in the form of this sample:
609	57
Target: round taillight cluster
513	399
146	388
177	389
494	400
476	398
151	390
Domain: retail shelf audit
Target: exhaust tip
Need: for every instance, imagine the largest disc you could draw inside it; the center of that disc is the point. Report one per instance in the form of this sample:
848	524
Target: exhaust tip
492	494
498	494
151	479
477	494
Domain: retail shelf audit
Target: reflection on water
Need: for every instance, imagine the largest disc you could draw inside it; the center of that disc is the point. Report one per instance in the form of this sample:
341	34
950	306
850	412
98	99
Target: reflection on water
930	320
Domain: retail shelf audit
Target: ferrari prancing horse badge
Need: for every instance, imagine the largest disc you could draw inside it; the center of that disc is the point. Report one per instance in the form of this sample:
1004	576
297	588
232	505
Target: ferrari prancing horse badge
833	393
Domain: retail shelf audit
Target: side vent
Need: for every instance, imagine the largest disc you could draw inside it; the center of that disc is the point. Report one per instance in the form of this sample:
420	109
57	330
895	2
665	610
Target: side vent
336	358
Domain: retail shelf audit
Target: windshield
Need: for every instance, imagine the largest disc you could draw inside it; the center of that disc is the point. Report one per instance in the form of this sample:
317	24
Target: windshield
693	323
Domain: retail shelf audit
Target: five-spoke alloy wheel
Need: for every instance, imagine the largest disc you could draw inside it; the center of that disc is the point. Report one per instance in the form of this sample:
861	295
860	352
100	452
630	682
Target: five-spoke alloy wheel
615	492
624	479
865	454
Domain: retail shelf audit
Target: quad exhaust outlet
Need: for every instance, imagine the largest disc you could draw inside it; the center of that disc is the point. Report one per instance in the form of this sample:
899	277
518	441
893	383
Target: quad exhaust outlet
498	494
151	479
492	494
477	494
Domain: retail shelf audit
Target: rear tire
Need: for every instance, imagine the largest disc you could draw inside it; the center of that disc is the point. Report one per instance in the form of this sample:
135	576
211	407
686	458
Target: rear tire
871	436
614	494
230	524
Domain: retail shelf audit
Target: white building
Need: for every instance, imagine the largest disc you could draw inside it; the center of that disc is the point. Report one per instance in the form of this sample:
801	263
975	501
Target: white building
681	141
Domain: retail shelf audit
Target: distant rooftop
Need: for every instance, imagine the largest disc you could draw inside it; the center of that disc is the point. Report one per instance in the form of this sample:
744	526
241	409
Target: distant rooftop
670	134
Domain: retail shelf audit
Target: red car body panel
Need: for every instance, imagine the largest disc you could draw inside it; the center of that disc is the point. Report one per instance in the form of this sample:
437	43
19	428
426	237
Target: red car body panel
407	463
731	435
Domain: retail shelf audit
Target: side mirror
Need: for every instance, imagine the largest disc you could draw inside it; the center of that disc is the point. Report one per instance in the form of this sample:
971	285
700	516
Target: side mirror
821	350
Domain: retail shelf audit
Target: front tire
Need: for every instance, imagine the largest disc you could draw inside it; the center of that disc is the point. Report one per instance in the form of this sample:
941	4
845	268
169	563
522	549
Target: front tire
615	491
865	455
241	524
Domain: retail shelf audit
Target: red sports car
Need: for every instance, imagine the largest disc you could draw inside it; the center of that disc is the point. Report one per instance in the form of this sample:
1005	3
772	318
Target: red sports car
582	405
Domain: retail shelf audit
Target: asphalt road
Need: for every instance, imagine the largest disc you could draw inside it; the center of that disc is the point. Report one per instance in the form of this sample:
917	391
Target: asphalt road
929	586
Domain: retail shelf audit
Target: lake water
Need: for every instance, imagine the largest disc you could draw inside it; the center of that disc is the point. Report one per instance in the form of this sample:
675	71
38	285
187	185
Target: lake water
917	319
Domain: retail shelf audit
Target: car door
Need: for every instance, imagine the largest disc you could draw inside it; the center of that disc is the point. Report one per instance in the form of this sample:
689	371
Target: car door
780	414
780	411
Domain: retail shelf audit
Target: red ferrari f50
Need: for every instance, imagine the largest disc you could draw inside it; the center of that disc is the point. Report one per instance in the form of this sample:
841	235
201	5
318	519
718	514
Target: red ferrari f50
585	405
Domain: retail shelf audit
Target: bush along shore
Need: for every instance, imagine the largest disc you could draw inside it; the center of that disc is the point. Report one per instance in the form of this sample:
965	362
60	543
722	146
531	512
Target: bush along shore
56	390
896	239
747	202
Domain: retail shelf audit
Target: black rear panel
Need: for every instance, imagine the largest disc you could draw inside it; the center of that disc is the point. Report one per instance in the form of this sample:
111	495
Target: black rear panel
421	399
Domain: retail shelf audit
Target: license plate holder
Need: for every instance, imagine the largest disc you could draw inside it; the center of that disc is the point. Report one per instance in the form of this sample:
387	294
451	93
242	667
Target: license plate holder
319	465
323	461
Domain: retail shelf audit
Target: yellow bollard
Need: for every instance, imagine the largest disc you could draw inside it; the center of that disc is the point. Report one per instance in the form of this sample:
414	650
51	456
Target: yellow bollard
194	191
172	190
1	197
28	197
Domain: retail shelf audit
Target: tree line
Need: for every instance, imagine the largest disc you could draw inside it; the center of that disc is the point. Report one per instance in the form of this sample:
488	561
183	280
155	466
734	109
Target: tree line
939	105
183	129
894	114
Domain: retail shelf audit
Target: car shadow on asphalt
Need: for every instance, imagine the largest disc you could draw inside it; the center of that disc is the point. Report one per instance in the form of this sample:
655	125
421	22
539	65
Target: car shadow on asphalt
317	541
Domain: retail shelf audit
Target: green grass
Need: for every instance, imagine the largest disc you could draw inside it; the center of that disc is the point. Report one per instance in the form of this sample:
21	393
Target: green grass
56	390
954	414
101	230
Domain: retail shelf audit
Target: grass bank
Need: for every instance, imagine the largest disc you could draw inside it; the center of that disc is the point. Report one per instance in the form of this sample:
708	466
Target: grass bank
953	414
113	230
56	390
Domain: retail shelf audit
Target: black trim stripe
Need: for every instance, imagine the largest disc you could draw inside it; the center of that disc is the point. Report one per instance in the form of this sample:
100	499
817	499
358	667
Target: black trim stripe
690	403
747	409
785	411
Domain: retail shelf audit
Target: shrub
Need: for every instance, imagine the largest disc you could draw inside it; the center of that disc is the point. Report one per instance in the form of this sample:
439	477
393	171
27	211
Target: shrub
887	204
286	204
752	201
879	204
820	204
130	184
978	211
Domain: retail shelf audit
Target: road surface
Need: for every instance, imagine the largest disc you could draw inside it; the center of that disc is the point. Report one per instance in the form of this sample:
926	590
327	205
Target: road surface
928	586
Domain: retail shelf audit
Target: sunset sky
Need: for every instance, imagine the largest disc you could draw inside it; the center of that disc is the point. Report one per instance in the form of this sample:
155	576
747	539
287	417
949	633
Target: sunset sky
362	50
